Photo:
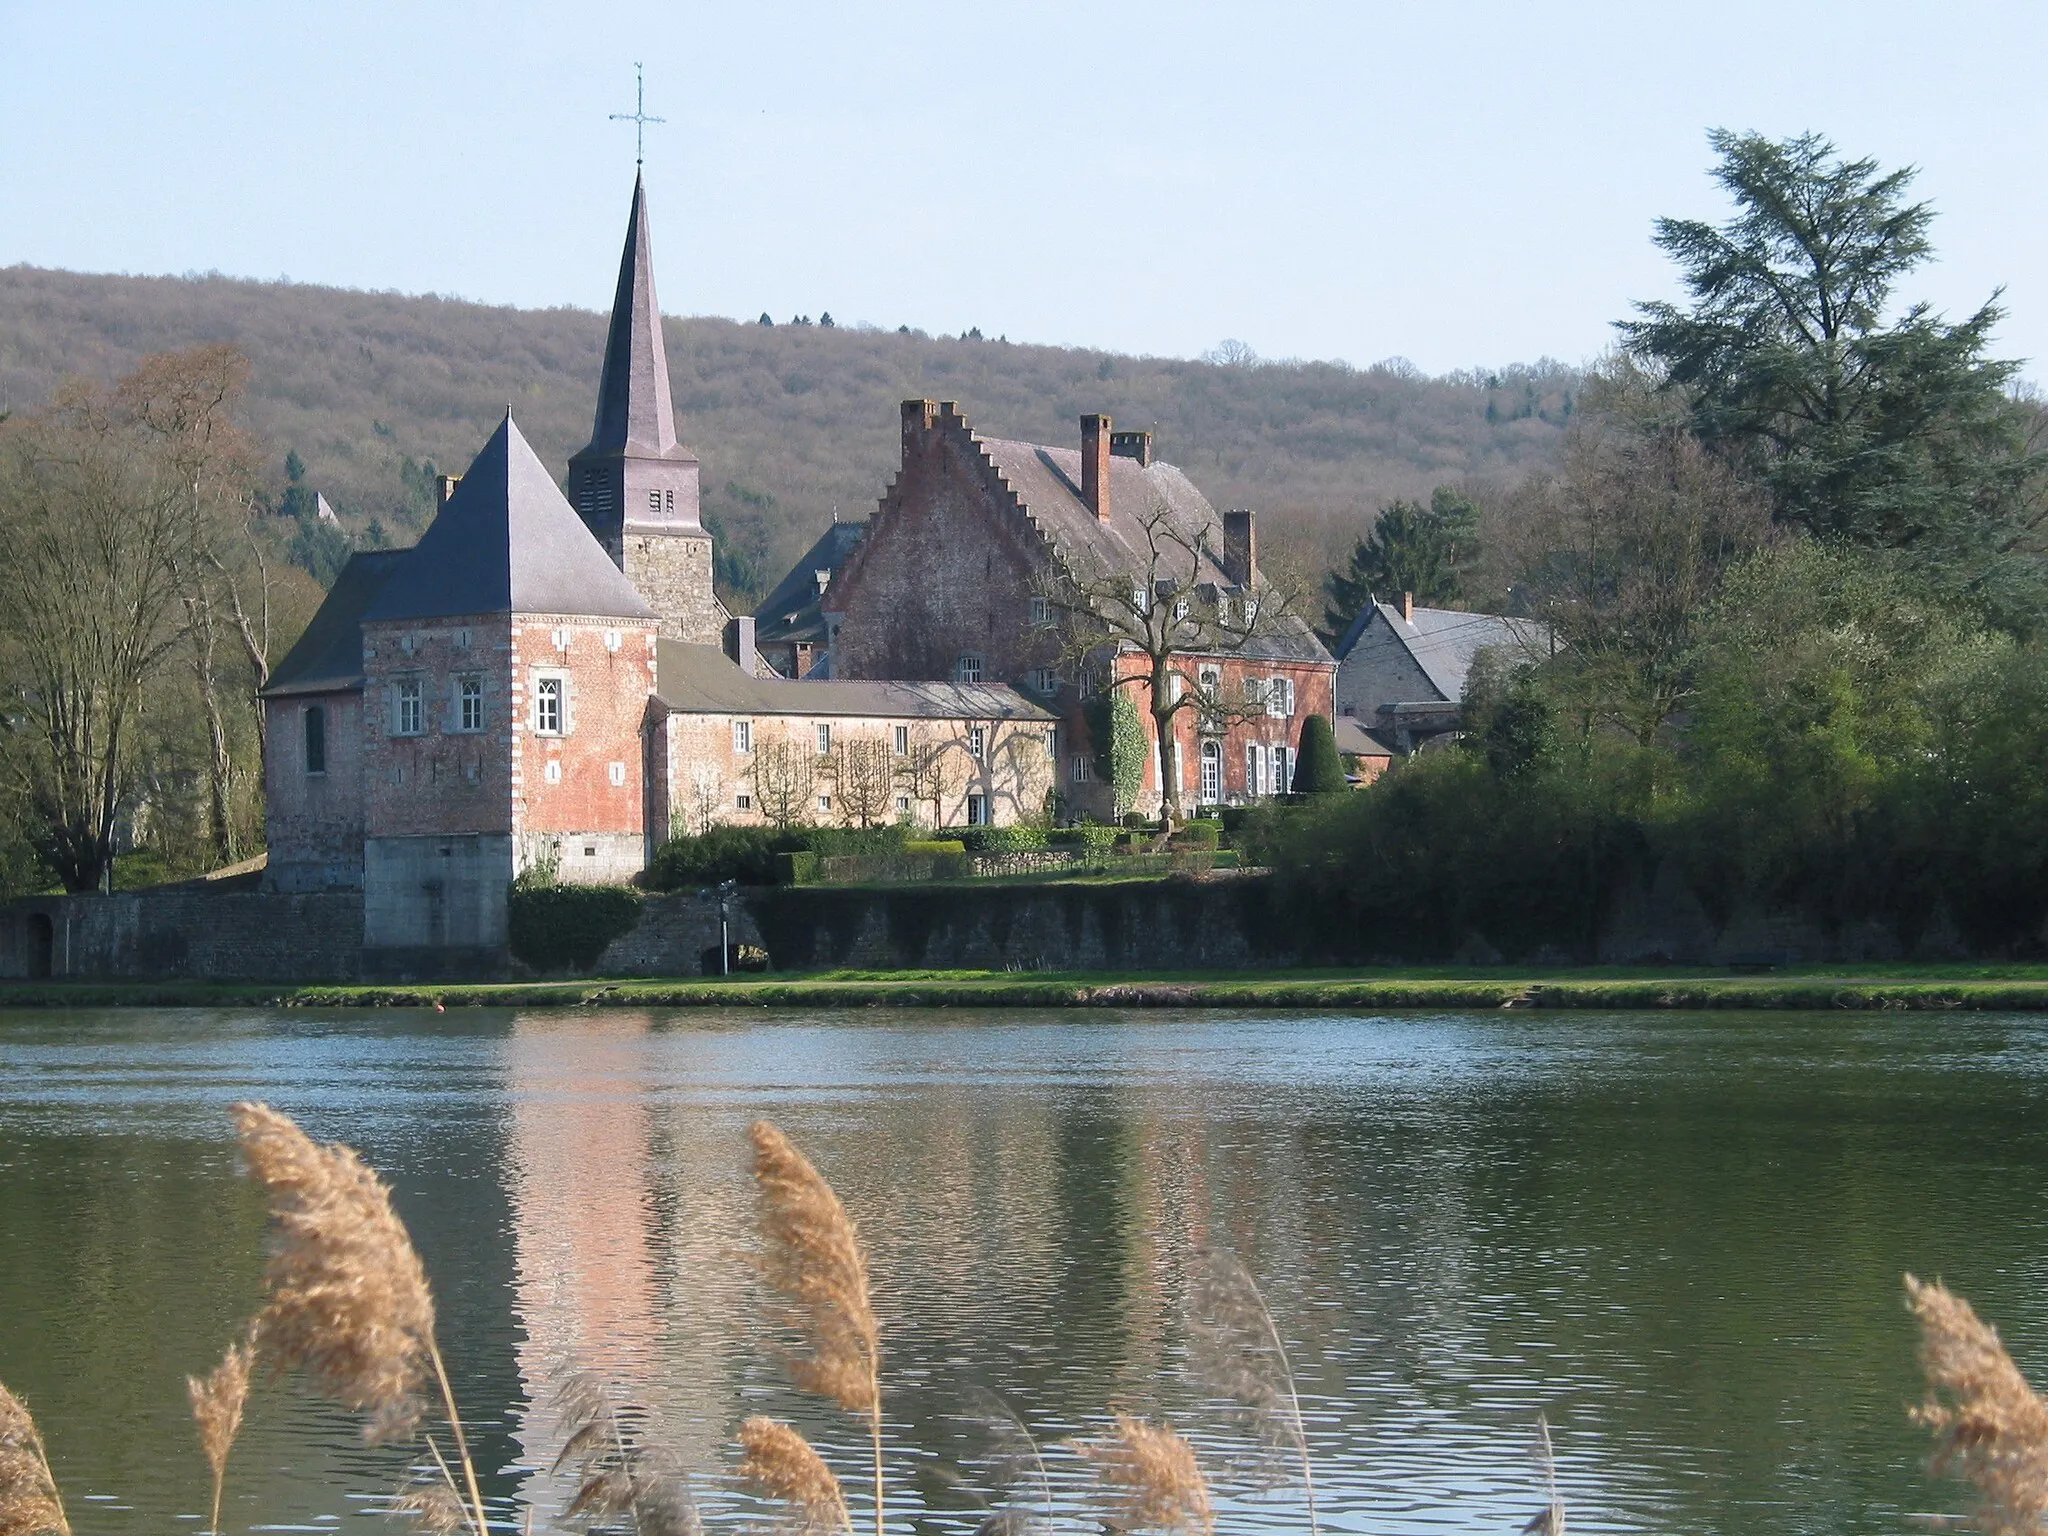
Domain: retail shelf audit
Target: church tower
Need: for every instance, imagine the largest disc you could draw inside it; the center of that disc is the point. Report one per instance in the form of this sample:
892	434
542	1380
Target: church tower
634	485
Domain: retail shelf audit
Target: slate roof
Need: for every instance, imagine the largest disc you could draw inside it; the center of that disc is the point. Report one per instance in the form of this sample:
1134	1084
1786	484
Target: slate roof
329	655
791	611
1354	740
507	542
1444	642
702	679
635	414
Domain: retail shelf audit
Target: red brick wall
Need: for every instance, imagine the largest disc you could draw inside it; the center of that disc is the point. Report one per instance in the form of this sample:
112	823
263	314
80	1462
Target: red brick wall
608	695
441	781
1313	694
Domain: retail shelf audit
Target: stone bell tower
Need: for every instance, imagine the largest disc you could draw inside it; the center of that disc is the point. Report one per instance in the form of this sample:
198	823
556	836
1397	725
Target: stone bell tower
634	485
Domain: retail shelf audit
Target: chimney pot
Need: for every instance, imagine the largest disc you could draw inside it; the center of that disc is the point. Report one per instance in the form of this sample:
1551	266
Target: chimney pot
1095	449
1408	607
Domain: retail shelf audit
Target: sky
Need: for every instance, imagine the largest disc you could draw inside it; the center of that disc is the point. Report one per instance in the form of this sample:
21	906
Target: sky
1462	183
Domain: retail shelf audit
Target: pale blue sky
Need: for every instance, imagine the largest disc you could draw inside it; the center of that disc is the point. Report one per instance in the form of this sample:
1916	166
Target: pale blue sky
1456	183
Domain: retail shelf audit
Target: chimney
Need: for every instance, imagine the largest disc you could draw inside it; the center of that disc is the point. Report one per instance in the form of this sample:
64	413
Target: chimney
1241	548
919	417
1132	445
444	487
1095	449
1408	607
742	634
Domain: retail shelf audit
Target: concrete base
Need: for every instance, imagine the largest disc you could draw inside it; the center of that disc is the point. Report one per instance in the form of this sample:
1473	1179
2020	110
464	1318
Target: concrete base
436	892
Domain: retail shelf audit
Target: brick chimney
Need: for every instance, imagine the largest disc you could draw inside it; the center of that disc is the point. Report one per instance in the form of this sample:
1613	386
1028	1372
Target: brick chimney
1240	560
1095	448
1132	445
1408	607
741	633
919	417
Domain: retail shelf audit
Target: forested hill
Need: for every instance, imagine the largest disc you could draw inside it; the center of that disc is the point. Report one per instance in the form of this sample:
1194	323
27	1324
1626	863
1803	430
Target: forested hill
373	390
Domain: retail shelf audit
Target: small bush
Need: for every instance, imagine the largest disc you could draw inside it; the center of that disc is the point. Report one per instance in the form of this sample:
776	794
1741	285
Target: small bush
1020	839
937	848
566	927
745	854
799	868
1201	833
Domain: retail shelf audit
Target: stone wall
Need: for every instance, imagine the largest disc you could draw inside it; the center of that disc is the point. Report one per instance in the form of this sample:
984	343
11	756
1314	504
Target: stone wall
161	935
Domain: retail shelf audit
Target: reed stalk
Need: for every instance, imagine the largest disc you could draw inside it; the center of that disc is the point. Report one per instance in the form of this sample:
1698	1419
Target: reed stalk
30	1504
217	1402
1151	1477
779	1464
617	1474
348	1304
812	1256
1549	1520
1235	1350
1989	1425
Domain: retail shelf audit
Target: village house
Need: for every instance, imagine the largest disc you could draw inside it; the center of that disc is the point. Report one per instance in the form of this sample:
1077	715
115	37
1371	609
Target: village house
789	623
1402	671
958	575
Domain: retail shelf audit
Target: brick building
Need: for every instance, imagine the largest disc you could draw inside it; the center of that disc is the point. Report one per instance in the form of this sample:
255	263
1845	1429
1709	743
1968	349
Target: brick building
951	579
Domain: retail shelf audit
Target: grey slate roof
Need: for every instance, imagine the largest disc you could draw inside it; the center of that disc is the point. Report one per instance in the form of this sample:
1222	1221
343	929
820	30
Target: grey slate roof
329	655
791	611
702	679
1354	740
1444	642
507	542
635	414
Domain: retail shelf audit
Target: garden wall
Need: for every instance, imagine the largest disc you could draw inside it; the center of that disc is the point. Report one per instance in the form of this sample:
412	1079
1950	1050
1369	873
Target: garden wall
197	935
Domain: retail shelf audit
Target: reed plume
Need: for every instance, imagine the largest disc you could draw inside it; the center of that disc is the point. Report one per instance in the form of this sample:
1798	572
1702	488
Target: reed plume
1151	1478
616	1474
349	1302
779	1464
433	1507
1989	1425
811	1254
29	1502
1010	1460
217	1401
1234	1349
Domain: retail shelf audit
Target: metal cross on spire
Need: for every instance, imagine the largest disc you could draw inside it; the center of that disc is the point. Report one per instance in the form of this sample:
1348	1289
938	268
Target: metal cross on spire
638	116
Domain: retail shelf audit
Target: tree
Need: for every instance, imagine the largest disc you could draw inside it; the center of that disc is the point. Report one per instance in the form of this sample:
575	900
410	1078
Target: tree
925	771
784	776
1158	609
864	781
1318	769
1895	432
1423	550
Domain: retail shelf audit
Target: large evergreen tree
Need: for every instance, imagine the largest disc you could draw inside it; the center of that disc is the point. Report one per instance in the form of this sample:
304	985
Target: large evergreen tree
1411	548
1865	424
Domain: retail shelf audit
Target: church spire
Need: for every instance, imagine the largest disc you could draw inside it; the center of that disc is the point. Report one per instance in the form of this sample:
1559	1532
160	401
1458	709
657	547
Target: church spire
634	412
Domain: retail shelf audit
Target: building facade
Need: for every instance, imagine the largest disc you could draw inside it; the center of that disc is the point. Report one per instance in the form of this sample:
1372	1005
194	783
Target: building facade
1402	670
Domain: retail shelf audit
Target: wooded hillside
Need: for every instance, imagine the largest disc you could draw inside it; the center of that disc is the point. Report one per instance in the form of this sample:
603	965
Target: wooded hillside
373	391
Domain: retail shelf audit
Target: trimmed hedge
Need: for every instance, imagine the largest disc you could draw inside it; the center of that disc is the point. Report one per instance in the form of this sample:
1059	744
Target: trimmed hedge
1020	839
566	927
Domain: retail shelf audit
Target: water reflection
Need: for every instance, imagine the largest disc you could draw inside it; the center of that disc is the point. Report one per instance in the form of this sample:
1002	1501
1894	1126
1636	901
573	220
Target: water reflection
1678	1237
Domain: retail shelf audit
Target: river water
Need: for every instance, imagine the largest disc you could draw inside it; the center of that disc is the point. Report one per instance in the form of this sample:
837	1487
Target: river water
1678	1237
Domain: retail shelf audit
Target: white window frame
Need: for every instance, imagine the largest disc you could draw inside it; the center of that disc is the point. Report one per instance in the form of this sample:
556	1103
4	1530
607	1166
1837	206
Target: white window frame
408	707
1210	681
1041	612
967	668
825	803
1283	770
1212	772
1254	770
1254	692
1052	743
743	800
742	737
1278	705
469	688
1141	600
1084	771
824	740
1044	680
548	685
977	743
903	805
978	811
902	741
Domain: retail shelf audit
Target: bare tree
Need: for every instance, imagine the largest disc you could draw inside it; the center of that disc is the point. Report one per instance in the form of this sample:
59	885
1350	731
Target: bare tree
784	777
925	770
1159	609
707	796
864	780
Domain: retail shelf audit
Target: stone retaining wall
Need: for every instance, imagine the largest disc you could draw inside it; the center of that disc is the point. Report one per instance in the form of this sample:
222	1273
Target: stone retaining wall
184	935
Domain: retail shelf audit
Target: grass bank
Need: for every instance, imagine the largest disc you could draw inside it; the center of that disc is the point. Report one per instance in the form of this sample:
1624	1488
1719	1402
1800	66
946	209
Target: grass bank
1930	988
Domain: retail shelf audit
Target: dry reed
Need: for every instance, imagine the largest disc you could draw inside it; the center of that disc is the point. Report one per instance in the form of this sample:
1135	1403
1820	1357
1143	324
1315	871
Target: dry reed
1012	1464
349	1302
217	1401
1989	1425
779	1464
1151	1478
433	1507
29	1502
811	1255
1235	1350
1549	1520
616	1474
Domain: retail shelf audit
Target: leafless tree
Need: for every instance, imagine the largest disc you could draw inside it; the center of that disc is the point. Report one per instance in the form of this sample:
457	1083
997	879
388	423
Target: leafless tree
1161	610
707	796
926	770
785	777
863	780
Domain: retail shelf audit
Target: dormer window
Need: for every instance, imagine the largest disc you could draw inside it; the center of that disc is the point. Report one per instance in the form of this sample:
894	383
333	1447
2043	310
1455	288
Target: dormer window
968	668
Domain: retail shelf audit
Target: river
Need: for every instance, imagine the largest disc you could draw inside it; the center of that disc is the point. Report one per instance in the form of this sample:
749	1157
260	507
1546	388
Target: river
1678	1237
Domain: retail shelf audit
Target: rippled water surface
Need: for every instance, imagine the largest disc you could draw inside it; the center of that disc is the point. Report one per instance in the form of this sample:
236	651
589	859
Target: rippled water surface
1678	1237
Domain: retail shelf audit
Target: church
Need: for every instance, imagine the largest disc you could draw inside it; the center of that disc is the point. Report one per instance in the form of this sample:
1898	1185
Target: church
541	686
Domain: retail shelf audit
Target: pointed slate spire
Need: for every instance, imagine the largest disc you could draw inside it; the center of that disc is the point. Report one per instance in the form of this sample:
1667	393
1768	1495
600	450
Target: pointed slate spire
634	411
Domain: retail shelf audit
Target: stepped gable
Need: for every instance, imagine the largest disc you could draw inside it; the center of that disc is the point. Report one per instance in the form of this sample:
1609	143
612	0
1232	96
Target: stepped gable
329	655
506	542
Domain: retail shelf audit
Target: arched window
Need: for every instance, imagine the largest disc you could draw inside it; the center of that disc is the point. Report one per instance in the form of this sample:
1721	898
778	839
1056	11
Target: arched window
316	739
1212	772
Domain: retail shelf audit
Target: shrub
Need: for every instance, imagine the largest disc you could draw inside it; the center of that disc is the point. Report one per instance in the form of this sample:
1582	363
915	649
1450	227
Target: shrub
1201	833
566	927
745	854
937	847
1020	839
1319	770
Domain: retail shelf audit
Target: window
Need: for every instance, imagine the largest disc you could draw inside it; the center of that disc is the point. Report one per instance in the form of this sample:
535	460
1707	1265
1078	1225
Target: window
1141	599
977	810
462	639
1052	744
1043	680
977	742
1176	685
743	736
1283	770
547	706
613	639
1254	691
903	741
1254	779
1083	769
1280	697
903	805
824	740
743	801
1212	772
553	772
1180	611
561	639
670	497
469	703
617	774
1041	611
316	739
825	803
407	716
1210	680
968	668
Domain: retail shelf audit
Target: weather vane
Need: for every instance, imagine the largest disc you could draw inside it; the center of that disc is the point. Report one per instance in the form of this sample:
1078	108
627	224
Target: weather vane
638	116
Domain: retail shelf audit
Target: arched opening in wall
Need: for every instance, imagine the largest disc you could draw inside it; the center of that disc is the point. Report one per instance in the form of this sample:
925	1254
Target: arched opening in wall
741	957
42	945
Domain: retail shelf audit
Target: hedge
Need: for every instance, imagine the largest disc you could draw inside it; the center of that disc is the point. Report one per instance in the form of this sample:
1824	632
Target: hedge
566	927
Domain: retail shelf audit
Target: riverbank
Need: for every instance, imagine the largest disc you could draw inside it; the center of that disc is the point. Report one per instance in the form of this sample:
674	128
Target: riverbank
1929	988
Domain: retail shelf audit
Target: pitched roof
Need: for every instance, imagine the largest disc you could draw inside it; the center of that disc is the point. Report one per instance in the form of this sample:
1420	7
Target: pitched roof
1445	642
1354	740
791	611
702	679
635	415
329	655
507	542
